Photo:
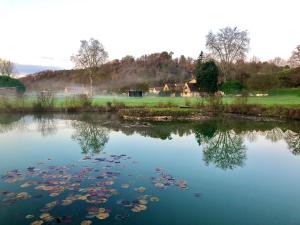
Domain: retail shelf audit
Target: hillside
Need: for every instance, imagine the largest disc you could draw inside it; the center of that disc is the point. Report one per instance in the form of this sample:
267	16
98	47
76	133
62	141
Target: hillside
148	70
23	69
156	70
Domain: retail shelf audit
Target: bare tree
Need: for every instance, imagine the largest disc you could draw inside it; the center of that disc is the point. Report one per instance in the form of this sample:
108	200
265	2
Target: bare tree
6	67
277	61
295	58
227	46
91	55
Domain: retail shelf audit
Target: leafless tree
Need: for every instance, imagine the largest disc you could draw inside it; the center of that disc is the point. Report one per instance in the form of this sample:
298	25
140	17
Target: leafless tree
295	58
91	55
6	67
227	46
278	61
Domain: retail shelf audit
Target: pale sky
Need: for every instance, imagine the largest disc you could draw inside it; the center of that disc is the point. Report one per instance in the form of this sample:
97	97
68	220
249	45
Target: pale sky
48	32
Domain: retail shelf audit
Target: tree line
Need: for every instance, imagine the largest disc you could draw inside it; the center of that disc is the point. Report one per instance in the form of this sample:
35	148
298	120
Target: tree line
225	56
223	66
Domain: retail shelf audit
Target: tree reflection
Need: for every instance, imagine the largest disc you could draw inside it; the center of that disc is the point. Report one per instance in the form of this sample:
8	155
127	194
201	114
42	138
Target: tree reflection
10	122
224	149
205	131
275	134
46	124
293	141
90	136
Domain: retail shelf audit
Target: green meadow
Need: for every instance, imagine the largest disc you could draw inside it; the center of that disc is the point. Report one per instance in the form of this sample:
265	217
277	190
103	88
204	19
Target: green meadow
278	100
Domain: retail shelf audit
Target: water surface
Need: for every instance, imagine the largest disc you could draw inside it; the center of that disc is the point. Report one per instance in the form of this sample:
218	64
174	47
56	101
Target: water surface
97	168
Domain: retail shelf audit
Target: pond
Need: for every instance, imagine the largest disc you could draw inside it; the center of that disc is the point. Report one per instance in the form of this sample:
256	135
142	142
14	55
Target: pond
96	169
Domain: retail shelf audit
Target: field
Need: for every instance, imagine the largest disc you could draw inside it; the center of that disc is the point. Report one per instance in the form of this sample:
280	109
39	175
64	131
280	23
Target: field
284	100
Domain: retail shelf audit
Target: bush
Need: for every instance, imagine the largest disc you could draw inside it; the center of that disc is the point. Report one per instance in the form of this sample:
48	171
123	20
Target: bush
285	91
241	100
232	87
214	103
200	102
76	102
5	103
263	82
45	101
118	104
6	81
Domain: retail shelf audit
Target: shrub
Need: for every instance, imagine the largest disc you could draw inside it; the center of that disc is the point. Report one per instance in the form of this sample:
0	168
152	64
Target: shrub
240	100
200	102
6	81
45	101
5	103
76	102
263	82
214	103
118	104
232	87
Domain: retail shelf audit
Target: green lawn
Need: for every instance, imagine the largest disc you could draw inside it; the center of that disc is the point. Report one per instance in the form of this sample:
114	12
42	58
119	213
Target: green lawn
286	100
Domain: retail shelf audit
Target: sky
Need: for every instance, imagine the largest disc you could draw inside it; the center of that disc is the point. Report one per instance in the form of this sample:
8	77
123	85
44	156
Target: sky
48	32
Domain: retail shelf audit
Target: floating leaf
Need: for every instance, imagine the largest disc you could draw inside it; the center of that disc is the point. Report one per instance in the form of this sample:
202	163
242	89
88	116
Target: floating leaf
125	185
86	222
140	189
37	222
29	216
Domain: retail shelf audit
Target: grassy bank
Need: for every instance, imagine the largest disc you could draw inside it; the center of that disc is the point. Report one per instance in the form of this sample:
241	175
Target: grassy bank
284	100
287	98
284	106
169	114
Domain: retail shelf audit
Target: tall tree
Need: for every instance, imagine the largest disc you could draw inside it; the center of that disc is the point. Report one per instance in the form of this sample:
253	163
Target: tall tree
227	46
6	67
295	58
207	76
91	55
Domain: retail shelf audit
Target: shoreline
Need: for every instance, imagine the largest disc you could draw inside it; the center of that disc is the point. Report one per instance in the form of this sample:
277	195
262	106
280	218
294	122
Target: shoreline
253	112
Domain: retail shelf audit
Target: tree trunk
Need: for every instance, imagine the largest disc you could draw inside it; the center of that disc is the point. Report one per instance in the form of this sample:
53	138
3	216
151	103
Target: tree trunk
91	85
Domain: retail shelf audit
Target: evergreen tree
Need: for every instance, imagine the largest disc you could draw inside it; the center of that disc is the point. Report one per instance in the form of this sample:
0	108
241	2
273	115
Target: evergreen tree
207	74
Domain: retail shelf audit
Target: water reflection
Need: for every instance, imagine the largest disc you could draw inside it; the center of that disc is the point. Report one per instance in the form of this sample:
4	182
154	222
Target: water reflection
293	141
277	134
10	122
91	136
225	149
221	141
46	124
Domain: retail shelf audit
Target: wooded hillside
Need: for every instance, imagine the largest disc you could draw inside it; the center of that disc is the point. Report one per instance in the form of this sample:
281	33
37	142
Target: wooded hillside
160	68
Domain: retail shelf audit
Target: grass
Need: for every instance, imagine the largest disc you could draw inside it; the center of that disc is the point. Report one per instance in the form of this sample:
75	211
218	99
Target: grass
280	100
285	106
286	100
285	92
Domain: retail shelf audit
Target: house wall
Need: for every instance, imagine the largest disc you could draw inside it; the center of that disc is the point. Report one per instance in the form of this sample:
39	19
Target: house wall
153	91
166	87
